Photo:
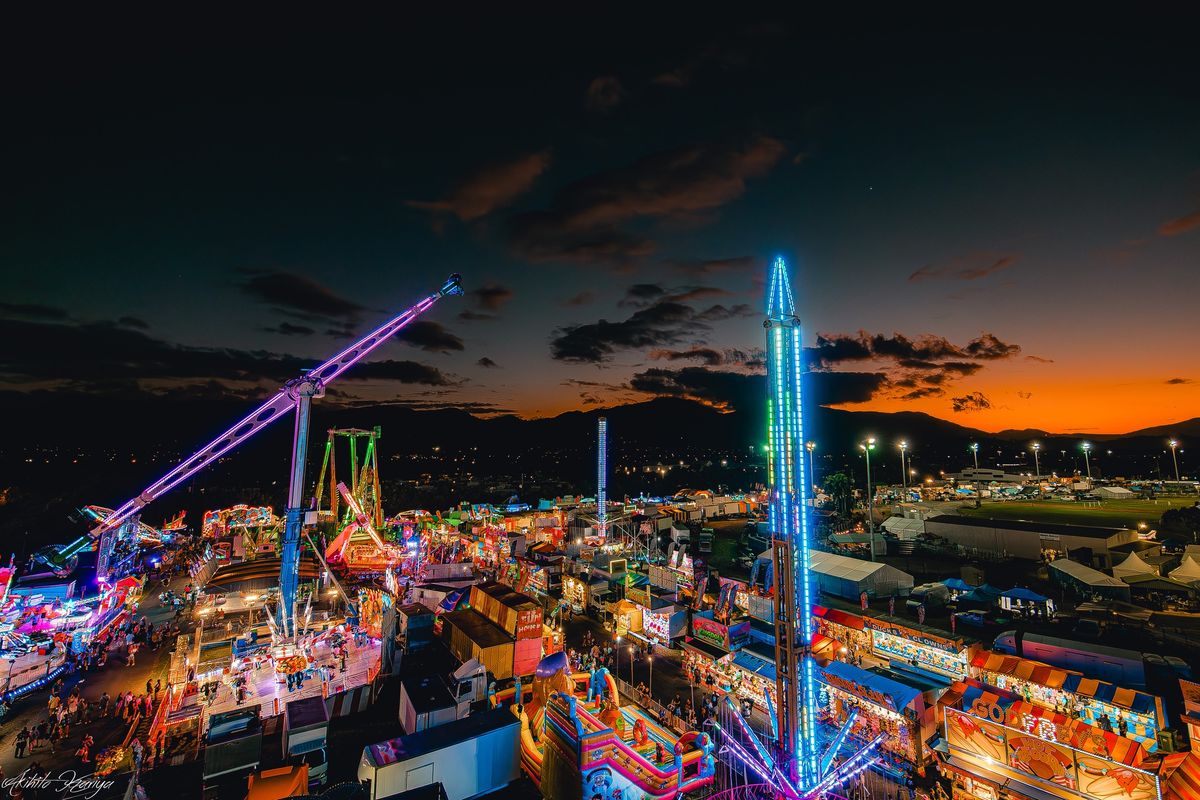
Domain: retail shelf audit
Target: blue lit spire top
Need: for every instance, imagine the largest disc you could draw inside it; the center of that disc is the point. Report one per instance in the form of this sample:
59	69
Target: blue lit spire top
780	304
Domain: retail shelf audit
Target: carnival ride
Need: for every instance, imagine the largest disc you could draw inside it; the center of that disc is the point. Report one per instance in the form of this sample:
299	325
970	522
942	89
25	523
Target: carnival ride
359	545
581	714
798	767
297	394
364	480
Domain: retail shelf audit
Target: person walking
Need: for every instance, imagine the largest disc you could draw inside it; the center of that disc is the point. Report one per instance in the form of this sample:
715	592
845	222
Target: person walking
22	741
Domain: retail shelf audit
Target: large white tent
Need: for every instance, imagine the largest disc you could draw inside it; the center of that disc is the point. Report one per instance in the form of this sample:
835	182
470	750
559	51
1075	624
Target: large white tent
843	576
1187	572
1134	565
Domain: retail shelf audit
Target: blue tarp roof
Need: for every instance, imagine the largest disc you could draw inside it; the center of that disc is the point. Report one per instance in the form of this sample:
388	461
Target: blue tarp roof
957	584
754	665
1026	595
900	693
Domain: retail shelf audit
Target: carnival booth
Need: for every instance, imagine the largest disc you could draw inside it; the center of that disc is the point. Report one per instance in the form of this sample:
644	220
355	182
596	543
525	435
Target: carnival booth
1027	603
1097	703
998	745
849	631
903	712
920	646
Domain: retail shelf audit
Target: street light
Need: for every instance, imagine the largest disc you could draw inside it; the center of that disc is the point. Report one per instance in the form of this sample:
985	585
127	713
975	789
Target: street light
867	447
903	468
1037	467
812	483
975	453
1173	444
650	687
631	665
1087	448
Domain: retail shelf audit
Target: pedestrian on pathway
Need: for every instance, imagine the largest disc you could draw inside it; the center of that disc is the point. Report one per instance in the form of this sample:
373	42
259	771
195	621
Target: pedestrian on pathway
157	686
22	741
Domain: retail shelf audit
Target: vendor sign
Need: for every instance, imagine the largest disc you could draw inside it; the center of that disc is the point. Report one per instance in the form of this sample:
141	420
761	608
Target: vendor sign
920	637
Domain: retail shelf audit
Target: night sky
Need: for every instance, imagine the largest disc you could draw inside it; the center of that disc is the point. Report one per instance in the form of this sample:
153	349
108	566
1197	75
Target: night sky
997	227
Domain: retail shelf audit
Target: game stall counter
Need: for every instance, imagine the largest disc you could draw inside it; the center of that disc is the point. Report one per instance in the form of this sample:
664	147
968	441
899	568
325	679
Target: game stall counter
1088	700
1000	746
848	629
892	639
903	713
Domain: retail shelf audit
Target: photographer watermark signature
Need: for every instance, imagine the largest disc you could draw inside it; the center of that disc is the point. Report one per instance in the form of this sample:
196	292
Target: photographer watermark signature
69	784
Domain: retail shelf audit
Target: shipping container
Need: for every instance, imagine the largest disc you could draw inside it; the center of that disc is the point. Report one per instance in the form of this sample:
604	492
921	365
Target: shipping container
526	655
470	635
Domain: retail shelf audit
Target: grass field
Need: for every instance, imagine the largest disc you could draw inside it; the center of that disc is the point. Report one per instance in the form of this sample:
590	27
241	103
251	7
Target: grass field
1108	513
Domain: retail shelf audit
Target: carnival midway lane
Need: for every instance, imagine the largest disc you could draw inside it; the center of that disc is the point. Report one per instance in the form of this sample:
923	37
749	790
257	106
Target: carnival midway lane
670	682
32	709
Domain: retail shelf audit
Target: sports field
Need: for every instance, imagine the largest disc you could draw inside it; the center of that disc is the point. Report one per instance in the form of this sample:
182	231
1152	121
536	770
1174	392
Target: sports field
1106	513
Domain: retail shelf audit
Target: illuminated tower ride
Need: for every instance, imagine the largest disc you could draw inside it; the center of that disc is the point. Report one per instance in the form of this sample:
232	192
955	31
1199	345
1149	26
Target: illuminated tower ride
602	477
795	683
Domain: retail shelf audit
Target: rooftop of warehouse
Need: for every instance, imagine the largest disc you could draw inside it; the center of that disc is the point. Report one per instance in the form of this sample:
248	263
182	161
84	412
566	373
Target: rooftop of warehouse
1026	526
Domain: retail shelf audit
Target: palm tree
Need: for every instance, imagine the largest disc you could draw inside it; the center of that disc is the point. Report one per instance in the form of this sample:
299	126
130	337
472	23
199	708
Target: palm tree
837	486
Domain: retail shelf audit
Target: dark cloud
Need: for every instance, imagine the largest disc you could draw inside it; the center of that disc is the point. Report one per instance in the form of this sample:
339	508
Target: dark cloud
709	356
587	220
719	312
972	401
487	362
658	325
1178	381
475	316
1174	227
699	267
729	390
966	268
430	336
1039	359
491	296
134	322
988	347
922	392
491	189
96	355
288	329
643	294
1024	395
581	299
291	292
604	93
340	333
923	352
34	311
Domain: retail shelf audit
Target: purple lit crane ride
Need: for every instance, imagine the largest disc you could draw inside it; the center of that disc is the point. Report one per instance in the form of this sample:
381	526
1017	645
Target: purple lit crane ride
797	768
297	394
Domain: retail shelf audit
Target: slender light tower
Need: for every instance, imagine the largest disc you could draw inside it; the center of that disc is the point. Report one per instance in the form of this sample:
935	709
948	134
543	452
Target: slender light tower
602	476
795	674
1173	444
975	453
904	468
812	482
867	447
1087	448
1037	467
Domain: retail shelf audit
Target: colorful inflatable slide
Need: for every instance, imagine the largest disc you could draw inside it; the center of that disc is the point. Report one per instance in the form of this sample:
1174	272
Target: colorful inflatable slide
575	733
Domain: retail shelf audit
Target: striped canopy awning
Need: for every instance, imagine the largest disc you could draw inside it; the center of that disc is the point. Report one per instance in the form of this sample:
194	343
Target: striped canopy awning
1077	734
1181	776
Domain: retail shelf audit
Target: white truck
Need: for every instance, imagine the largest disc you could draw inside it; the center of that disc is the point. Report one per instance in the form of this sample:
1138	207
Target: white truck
305	730
468	757
430	700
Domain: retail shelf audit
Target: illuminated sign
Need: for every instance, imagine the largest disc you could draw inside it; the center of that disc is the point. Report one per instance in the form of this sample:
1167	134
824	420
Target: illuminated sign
657	626
937	642
707	630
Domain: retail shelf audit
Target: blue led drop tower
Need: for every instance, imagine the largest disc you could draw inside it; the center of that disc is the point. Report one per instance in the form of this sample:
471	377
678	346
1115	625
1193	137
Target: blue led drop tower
795	679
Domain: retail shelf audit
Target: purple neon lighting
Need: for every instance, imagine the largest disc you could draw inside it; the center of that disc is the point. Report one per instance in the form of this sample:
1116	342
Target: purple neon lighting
271	410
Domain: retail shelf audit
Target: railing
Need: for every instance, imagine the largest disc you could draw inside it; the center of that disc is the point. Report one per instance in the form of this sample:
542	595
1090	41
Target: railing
660	712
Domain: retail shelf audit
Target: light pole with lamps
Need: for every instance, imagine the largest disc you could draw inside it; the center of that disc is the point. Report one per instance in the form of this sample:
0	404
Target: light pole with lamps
812	482
975	453
1087	448
650	686
1173	444
867	447
903	468
1037	467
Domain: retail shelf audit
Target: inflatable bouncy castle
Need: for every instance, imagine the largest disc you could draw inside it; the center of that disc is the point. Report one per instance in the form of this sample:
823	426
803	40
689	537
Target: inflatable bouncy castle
579	742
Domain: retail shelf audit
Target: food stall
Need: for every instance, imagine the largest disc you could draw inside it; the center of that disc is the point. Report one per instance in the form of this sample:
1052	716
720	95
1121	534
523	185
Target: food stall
999	746
849	630
892	639
902	712
1094	702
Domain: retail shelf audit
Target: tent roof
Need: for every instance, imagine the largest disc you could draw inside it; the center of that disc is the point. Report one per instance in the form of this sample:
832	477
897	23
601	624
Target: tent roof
1021	593
1134	565
957	584
1085	574
1188	571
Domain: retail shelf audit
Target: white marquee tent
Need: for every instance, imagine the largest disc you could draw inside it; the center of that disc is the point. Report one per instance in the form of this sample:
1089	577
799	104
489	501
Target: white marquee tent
843	576
1187	572
1132	566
